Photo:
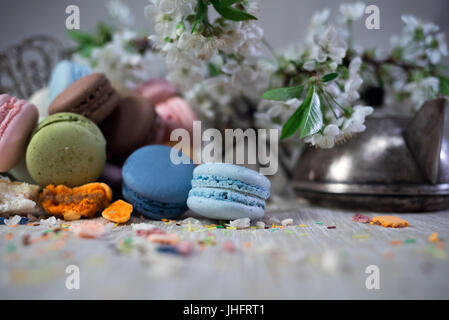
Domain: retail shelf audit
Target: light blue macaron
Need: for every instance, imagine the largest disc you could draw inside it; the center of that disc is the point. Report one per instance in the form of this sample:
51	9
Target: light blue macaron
154	185
227	192
64	74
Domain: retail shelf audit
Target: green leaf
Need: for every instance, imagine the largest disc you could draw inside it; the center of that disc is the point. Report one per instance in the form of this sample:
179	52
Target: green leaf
81	37
86	51
444	86
213	70
329	77
201	13
311	120
283	94
307	118
104	34
228	3
292	124
231	13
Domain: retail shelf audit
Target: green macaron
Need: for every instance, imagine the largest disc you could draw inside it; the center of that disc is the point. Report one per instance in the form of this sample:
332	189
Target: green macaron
68	149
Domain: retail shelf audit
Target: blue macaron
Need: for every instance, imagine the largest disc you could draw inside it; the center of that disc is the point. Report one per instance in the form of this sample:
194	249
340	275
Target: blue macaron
154	185
227	192
64	74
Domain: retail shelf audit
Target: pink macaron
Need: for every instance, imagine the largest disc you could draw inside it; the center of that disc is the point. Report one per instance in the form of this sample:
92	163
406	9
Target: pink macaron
18	118
175	113
157	90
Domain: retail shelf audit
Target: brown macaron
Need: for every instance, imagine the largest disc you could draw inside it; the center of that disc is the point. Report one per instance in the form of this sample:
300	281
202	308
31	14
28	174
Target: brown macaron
131	126
91	96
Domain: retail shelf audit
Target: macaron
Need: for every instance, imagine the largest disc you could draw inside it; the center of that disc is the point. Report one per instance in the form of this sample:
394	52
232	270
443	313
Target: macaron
18	118
91	96
175	113
41	99
227	192
67	149
132	125
154	185
64	74
112	176
157	90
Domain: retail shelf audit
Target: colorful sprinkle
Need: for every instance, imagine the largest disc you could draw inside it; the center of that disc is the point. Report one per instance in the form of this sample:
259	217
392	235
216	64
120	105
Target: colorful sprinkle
229	246
23	221
361	218
434	237
361	236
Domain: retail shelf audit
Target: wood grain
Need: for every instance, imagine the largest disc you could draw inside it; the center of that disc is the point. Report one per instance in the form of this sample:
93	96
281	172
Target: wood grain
311	262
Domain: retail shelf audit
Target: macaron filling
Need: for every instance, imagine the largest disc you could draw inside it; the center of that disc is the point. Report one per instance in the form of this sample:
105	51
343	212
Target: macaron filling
214	181
227	195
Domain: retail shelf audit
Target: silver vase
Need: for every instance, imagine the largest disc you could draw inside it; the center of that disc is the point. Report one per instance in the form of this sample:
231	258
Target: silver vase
398	164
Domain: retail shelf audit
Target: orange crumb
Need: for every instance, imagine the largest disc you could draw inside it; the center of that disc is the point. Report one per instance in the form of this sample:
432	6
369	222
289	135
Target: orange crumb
395	242
118	212
433	237
72	204
247	245
389	221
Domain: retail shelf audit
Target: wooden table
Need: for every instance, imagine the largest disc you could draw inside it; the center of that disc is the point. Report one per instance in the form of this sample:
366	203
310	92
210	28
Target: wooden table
296	262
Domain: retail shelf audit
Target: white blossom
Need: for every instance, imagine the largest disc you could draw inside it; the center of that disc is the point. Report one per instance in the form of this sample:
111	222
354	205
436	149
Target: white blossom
356	123
351	12
326	139
124	67
329	46
436	48
120	12
422	90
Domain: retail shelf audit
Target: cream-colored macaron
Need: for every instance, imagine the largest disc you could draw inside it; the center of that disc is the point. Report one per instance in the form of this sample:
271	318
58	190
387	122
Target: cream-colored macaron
41	99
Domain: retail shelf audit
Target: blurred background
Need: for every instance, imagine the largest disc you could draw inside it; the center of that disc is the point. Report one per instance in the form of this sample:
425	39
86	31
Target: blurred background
283	20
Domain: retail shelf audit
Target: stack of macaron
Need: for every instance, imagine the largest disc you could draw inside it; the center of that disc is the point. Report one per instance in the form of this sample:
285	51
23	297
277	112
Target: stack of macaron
89	132
98	127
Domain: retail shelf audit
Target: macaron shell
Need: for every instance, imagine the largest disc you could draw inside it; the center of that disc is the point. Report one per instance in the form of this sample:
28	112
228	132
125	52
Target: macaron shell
41	99
130	126
214	209
66	149
91	96
153	209
15	130
235	172
20	172
150	173
64	74
157	90
176	113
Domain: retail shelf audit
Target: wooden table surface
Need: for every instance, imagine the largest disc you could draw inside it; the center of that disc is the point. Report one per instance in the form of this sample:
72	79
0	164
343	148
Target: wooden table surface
297	262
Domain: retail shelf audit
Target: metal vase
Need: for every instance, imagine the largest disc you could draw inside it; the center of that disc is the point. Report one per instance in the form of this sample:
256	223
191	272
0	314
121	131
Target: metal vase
398	164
